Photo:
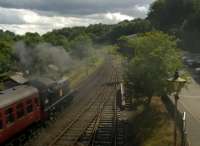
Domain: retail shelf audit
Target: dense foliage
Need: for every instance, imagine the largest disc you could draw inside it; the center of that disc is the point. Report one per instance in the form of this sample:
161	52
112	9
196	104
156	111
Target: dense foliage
5	57
77	41
129	28
179	17
6	53
156	57
81	46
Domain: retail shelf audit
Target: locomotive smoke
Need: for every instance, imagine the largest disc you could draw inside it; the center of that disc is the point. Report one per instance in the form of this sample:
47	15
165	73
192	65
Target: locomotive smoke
43	59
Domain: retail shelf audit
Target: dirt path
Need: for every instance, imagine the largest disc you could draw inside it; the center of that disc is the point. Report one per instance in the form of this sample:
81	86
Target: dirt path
86	91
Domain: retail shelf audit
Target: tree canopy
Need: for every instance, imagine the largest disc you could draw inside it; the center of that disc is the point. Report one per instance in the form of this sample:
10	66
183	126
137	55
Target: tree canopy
180	18
81	46
156	58
5	57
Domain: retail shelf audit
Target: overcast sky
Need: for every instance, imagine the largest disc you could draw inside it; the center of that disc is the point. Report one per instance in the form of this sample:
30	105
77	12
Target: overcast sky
21	16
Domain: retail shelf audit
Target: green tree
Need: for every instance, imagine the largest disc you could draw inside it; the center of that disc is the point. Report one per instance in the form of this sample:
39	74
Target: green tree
168	15
56	39
156	58
99	32
191	31
180	18
81	46
124	46
5	56
31	39
129	28
6	36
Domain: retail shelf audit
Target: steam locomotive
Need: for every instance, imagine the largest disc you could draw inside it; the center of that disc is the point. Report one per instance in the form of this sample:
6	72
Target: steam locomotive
37	100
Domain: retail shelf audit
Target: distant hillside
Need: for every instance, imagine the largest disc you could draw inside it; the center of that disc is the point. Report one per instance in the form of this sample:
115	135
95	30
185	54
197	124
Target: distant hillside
180	18
75	41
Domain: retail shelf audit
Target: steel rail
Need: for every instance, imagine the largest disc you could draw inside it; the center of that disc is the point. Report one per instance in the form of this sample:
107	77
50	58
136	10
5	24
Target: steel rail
62	133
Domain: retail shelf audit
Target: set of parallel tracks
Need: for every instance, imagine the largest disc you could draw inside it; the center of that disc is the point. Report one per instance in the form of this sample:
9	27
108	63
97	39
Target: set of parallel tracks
27	137
81	117
106	129
97	123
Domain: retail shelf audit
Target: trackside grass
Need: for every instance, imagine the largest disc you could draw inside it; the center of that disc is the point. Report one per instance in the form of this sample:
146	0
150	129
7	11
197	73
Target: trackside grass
153	126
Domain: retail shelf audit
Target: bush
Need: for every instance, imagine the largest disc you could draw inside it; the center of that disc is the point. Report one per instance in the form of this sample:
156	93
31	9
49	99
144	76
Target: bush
156	57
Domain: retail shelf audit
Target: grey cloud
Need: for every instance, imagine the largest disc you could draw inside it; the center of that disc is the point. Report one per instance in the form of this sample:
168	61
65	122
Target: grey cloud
75	7
30	21
23	16
10	17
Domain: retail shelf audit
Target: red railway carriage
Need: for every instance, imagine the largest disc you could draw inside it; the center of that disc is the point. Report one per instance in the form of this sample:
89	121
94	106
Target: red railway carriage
19	108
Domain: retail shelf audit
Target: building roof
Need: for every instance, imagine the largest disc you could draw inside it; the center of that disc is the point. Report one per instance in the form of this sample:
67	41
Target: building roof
19	78
42	83
132	35
15	94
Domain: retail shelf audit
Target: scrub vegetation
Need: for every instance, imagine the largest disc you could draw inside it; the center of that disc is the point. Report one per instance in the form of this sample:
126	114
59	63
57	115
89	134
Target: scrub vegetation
149	50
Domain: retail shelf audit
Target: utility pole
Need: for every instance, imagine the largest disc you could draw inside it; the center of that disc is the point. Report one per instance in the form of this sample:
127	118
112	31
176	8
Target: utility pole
176	97
178	83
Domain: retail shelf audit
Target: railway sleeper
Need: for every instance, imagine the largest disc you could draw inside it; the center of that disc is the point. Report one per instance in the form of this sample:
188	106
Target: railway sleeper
103	143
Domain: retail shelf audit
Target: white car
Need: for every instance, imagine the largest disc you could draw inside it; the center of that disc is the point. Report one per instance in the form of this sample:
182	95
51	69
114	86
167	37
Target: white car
189	62
197	70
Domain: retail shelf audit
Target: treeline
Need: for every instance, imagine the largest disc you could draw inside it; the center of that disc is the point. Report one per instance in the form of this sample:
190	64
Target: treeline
180	18
175	17
75	40
153	58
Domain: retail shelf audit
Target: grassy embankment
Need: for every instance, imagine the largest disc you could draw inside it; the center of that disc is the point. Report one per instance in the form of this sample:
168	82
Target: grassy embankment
116	57
153	126
83	71
149	126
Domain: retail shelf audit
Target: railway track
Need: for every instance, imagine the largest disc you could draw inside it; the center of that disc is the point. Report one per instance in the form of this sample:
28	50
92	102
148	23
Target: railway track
100	110
106	129
94	97
29	134
76	118
29	137
70	134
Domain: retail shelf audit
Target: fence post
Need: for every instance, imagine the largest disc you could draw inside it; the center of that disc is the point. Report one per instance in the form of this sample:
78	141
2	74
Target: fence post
183	132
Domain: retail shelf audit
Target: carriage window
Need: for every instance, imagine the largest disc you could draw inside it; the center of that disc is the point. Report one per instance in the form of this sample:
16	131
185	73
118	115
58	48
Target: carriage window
9	116
36	102
29	106
61	92
1	124
20	110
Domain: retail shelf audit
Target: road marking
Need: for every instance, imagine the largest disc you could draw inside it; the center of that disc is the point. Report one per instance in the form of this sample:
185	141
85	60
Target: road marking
184	107
187	109
190	97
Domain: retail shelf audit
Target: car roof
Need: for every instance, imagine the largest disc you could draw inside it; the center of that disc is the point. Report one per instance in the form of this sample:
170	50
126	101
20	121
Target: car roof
12	95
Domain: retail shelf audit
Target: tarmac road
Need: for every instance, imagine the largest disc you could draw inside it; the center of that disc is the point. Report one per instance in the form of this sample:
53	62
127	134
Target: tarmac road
189	102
